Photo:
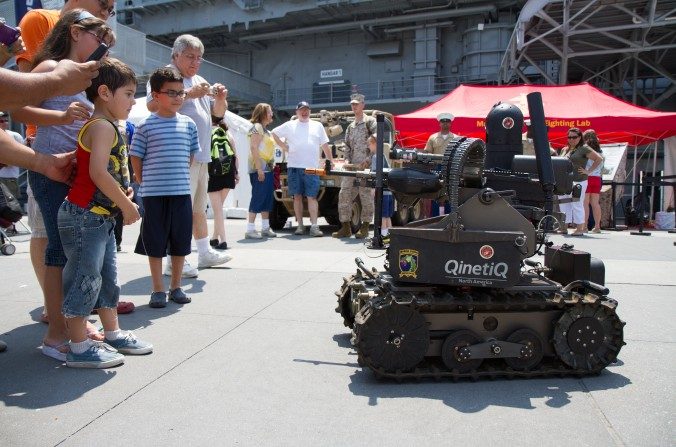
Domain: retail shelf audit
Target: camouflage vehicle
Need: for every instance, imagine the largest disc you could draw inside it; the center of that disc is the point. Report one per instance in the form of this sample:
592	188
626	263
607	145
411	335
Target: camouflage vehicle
335	123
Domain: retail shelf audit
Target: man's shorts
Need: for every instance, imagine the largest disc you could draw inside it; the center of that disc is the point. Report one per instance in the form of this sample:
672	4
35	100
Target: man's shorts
167	223
35	221
199	182
593	184
302	184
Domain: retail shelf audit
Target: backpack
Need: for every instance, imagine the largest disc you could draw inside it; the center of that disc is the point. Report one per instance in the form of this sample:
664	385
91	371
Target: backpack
222	155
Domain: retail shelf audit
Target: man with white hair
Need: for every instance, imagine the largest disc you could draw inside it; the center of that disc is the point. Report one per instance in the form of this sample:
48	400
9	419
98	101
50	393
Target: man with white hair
202	102
437	142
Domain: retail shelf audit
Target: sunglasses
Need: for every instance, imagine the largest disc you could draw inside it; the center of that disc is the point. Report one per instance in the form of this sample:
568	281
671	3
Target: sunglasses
573	137
105	7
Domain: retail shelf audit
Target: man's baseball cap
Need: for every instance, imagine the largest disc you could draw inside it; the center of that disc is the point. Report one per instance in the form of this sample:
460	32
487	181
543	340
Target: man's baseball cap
356	98
302	104
445	116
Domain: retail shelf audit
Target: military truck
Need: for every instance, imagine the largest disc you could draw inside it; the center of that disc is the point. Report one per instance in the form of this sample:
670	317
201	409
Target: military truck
334	123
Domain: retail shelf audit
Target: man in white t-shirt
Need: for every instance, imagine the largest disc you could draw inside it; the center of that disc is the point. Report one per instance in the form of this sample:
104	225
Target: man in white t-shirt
302	139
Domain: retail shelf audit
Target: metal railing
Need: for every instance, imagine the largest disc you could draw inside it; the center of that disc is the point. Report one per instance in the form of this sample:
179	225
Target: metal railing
410	88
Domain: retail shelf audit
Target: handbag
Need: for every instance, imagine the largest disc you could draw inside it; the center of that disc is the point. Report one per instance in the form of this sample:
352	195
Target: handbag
10	208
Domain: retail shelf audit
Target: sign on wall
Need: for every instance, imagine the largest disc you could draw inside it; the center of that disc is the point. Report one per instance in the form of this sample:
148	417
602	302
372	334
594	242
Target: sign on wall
334	73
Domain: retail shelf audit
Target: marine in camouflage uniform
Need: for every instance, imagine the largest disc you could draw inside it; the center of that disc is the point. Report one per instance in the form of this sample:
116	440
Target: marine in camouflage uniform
357	153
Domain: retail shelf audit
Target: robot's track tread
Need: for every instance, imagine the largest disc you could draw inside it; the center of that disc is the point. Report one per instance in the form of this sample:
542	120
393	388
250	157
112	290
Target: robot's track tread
496	300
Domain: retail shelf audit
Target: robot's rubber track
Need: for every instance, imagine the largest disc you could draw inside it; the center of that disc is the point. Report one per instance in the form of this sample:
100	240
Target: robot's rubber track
499	301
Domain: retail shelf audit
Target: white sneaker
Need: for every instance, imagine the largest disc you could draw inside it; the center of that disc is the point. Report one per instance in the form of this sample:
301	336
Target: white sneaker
315	231
211	259
253	234
300	230
188	270
268	233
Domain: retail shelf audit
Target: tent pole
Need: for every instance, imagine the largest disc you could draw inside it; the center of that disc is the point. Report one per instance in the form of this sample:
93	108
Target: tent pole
633	177
652	187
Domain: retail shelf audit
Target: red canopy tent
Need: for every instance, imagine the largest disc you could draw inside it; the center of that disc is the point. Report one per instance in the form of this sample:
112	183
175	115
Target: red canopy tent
580	105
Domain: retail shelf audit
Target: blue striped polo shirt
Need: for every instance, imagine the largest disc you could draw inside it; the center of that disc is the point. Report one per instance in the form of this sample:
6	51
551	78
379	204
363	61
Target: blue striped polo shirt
164	145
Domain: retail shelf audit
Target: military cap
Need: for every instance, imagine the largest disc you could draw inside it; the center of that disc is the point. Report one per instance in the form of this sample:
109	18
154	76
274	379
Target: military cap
445	116
356	98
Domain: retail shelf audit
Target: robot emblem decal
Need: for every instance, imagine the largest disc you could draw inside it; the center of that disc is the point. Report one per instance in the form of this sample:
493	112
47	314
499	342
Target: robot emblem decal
508	122
408	263
486	252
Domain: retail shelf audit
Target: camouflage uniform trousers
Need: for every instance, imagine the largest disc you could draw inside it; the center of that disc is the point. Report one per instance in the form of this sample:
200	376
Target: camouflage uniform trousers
348	193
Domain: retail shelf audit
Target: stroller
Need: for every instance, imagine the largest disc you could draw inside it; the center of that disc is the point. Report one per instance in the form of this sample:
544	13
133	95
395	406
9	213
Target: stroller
10	213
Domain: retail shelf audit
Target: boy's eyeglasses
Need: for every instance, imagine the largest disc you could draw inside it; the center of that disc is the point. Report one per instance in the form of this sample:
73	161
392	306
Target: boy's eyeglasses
105	7
174	93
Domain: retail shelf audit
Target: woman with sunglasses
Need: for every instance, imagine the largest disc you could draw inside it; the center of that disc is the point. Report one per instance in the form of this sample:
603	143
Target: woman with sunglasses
578	153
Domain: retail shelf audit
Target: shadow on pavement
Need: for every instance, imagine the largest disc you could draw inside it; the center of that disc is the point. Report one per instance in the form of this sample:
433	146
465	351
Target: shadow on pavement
32	380
143	286
343	340
472	397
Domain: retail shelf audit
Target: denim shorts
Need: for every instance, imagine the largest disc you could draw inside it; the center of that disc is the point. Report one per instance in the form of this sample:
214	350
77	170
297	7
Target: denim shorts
261	193
303	184
49	196
90	274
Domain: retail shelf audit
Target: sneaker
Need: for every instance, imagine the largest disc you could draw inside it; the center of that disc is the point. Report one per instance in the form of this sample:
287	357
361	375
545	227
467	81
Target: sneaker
158	300
213	242
188	270
315	231
253	234
268	233
178	296
300	230
131	345
99	355
211	259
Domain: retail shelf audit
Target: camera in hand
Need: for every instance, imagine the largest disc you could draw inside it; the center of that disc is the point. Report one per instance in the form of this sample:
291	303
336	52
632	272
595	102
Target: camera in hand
98	53
8	35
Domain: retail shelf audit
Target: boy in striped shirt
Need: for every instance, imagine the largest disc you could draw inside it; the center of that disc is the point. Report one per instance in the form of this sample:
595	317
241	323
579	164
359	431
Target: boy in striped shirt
161	153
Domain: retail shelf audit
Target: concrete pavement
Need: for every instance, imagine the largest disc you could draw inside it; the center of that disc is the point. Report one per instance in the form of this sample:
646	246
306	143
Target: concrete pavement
260	358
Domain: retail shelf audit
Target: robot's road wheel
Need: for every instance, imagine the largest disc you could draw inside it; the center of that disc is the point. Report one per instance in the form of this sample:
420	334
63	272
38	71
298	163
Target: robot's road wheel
394	338
8	249
588	337
531	353
454	355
